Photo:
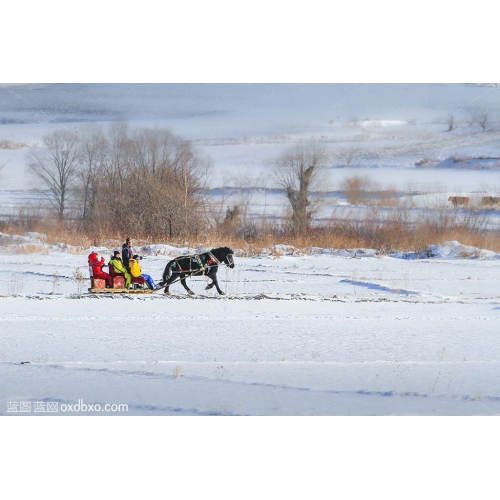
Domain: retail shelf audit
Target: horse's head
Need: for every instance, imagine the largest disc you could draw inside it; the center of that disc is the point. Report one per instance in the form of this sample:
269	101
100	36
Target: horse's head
229	260
225	255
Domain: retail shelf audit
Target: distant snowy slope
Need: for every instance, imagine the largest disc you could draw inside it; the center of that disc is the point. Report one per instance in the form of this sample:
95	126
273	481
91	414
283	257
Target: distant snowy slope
220	110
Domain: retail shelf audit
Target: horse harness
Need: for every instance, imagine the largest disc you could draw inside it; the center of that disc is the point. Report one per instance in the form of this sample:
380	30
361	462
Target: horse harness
197	261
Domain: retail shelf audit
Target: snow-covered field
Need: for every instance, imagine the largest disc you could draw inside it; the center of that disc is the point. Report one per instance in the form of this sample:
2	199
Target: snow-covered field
297	333
315	332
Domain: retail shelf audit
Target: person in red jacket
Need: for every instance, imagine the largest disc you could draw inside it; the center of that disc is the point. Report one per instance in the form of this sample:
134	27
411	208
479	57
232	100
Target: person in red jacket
95	269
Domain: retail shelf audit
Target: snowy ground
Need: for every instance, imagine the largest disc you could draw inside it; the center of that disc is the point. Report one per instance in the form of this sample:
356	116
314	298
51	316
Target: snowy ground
315	332
298	333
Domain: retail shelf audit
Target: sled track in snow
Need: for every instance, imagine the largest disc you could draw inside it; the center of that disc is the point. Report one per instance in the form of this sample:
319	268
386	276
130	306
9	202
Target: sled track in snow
400	297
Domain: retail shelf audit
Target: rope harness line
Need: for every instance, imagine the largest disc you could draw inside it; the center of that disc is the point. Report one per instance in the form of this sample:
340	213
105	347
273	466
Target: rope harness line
201	266
229	272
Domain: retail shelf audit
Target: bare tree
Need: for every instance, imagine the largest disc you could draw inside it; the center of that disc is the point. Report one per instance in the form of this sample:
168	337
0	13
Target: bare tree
450	121
93	149
117	164
296	171
242	188
246	186
56	165
214	209
482	118
347	157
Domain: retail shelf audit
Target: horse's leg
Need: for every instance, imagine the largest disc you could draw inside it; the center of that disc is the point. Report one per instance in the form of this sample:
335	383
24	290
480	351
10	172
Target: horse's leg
166	278
167	284
184	284
210	274
167	273
215	283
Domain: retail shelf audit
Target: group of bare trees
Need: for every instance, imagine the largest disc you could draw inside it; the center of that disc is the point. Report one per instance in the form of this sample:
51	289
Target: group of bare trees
144	180
148	181
477	117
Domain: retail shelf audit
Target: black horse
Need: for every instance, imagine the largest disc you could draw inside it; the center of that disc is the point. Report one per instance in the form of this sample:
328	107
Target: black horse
203	264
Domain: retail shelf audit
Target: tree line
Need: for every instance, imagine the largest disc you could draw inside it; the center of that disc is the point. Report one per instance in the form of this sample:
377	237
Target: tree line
149	181
142	180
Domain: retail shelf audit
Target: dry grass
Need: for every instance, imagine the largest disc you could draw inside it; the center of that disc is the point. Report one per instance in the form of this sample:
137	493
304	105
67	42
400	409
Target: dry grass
379	229
387	198
470	254
32	248
426	163
6	144
361	190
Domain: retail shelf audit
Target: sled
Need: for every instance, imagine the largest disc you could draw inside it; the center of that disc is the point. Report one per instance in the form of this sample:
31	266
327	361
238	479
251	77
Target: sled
138	286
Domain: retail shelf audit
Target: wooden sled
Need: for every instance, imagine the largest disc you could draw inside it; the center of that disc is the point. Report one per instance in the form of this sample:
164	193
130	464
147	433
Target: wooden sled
98	285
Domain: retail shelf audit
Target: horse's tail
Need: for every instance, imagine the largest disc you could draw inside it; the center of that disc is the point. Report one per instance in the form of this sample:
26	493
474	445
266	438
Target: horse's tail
167	272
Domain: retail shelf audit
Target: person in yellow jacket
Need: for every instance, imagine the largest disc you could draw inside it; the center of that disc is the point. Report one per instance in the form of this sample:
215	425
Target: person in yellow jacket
135	269
116	262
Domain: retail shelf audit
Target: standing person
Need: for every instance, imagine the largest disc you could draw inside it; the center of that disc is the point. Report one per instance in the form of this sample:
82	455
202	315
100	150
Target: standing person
119	268
127	253
135	270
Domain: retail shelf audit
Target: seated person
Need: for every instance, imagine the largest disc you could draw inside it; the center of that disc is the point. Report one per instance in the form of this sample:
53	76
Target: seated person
95	269
119	268
135	269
